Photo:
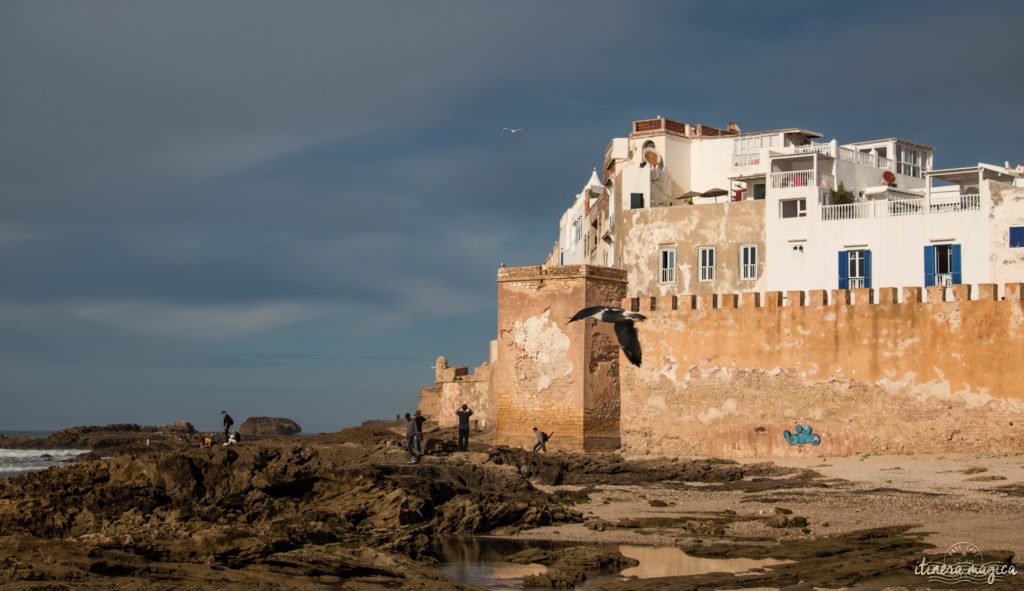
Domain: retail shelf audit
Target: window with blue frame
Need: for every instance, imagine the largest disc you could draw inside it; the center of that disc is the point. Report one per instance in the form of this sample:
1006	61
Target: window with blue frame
942	265
854	269
1017	237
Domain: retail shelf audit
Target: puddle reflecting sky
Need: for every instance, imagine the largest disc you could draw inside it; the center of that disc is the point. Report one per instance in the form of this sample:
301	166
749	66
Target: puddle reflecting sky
669	561
480	561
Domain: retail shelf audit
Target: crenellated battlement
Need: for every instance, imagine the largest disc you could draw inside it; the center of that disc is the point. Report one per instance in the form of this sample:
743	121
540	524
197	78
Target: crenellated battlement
818	298
911	369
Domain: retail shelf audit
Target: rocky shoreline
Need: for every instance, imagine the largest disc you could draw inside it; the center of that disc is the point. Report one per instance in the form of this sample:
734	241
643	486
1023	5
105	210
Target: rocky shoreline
331	511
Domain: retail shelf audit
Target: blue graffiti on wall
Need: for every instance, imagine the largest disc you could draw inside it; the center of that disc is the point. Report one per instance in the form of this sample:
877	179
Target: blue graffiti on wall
803	435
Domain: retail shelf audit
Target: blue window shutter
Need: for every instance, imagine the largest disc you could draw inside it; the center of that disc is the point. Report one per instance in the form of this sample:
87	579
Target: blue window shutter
1017	237
867	268
844	270
929	266
954	264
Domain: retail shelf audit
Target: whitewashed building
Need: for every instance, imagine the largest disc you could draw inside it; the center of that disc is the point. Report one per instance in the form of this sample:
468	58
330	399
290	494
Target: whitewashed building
692	209
571	248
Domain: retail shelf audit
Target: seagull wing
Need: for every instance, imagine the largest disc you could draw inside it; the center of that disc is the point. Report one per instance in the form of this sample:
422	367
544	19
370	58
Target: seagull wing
628	340
587	313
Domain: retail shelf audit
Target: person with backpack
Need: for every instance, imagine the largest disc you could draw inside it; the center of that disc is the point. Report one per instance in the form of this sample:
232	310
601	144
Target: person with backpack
542	440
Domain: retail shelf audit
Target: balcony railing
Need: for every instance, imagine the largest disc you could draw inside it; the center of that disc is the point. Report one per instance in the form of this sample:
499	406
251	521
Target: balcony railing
899	207
801	178
867	159
746	159
969	202
811	148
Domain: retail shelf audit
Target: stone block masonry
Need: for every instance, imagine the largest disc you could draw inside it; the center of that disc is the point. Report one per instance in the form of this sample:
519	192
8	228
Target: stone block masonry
726	375
455	386
888	370
561	378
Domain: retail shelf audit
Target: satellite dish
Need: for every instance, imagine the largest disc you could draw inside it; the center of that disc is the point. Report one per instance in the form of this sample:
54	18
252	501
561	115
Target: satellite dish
888	177
652	157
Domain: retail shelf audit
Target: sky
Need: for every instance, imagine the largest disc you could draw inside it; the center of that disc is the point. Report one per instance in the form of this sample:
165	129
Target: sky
292	208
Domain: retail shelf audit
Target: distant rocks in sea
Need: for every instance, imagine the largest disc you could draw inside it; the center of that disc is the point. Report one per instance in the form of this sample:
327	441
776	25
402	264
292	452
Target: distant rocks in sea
102	437
179	427
268	427
130	435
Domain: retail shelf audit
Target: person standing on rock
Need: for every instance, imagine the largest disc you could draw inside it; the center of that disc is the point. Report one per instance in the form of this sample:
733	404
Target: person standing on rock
228	421
419	419
542	440
410	437
464	414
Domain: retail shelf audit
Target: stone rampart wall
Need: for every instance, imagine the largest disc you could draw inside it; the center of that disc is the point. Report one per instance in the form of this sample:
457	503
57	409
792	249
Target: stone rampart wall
727	374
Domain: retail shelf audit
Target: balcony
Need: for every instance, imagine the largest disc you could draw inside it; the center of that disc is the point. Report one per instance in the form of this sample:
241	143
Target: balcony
801	178
832	150
751	159
872	160
812	148
900	207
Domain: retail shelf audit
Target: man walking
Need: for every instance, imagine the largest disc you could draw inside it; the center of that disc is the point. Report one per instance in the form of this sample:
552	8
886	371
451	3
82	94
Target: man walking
228	421
464	414
542	440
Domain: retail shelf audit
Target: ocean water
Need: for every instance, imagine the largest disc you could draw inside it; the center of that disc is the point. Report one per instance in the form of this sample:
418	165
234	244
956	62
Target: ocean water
19	461
32	434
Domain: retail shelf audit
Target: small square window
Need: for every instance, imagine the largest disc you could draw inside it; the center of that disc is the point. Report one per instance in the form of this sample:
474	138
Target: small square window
793	208
636	200
1017	237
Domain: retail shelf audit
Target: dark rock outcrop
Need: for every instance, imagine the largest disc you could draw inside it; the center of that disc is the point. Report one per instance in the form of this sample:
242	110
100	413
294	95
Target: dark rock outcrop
268	427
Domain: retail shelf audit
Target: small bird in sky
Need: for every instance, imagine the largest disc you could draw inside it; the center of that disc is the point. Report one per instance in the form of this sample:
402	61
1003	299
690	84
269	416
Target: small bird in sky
624	329
510	130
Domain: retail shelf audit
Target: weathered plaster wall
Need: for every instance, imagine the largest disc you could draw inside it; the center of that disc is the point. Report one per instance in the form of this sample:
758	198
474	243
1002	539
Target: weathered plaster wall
641	232
556	376
475	393
430	400
726	375
1007	210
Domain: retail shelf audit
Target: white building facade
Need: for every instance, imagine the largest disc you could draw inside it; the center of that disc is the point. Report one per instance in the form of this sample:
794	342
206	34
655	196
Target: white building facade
864	214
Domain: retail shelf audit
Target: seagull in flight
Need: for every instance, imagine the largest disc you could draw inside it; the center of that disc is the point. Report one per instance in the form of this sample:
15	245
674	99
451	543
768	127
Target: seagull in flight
510	130
624	329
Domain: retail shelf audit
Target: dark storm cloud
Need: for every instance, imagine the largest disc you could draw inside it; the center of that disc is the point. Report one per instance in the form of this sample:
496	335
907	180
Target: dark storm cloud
229	200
